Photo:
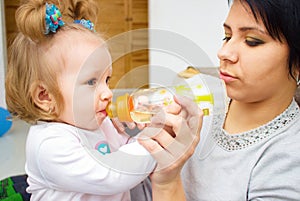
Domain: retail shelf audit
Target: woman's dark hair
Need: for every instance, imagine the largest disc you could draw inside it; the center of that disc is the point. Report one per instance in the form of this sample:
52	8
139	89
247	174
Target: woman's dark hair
282	21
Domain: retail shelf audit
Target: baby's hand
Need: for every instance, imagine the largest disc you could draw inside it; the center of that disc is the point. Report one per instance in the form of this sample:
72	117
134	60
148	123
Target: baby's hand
121	126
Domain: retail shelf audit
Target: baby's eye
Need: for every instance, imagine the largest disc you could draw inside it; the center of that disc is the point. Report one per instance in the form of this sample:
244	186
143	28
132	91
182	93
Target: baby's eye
252	42
92	82
108	79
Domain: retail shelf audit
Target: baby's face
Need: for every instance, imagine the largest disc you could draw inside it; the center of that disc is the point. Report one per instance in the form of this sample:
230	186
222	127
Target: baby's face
84	85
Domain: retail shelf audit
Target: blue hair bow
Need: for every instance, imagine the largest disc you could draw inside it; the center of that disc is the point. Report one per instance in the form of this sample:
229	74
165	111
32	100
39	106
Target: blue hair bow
53	19
86	23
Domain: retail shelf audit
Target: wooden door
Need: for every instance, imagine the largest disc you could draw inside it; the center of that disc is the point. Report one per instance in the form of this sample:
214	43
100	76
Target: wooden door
117	20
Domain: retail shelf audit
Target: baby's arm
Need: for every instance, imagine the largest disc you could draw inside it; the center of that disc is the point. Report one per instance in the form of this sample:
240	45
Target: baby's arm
80	169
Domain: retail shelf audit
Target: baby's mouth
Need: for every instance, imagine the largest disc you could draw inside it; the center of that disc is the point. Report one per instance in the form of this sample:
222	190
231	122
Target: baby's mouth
102	112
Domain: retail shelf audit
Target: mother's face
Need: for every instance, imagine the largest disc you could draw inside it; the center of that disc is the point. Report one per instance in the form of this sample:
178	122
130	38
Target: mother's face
253	65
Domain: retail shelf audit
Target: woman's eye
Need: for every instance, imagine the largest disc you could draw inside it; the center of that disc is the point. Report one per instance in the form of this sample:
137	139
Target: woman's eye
227	38
253	42
92	82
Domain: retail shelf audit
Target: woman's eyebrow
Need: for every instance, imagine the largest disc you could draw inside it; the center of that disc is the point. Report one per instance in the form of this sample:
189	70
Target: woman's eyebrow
244	29
226	26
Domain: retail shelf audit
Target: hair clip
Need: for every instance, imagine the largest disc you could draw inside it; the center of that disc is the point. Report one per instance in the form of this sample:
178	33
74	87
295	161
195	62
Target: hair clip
53	19
86	23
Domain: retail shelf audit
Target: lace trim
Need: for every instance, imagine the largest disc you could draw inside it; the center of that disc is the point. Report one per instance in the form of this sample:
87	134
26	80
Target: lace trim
232	142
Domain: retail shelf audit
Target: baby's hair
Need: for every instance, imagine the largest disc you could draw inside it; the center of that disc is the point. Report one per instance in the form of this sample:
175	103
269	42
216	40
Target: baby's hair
29	64
30	16
80	9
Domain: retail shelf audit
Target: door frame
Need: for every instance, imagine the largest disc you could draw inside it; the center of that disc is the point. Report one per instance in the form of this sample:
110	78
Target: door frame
3	54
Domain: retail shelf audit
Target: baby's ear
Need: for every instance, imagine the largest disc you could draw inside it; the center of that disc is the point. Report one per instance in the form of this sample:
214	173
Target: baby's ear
42	98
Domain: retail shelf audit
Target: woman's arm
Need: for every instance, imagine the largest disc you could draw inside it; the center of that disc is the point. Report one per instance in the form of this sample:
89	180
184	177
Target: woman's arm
172	190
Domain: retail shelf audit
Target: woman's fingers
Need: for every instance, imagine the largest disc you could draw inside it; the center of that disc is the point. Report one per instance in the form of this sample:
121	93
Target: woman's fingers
159	135
173	108
183	129
169	150
163	147
172	138
188	104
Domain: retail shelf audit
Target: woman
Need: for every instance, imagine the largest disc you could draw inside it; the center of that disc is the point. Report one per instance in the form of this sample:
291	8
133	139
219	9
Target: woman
252	152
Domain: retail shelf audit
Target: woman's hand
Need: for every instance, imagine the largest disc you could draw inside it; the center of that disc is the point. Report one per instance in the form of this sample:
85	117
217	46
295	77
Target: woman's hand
171	138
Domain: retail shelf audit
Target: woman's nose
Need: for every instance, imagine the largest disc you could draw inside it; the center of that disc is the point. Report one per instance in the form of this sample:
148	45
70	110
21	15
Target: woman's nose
228	52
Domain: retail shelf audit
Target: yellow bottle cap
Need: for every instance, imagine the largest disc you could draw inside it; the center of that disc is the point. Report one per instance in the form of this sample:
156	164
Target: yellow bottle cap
119	109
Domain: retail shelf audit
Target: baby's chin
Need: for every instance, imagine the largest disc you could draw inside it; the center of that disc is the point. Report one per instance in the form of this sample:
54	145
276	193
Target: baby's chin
92	124
99	118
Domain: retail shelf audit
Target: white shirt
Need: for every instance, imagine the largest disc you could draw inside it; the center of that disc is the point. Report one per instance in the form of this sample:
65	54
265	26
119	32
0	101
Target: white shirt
67	163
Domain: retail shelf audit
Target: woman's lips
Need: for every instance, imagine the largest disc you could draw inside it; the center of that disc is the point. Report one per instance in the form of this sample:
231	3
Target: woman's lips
227	77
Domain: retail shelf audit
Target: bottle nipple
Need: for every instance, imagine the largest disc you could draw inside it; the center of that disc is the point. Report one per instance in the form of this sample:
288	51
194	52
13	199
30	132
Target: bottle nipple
120	109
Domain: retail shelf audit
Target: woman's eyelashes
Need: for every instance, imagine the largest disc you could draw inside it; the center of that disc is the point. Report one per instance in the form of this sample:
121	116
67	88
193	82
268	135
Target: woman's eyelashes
253	41
250	41
226	38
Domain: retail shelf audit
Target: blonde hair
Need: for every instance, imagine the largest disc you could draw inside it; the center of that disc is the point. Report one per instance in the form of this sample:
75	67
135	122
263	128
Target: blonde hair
29	62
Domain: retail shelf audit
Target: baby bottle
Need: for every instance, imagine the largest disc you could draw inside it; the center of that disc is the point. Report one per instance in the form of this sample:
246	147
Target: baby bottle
142	104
